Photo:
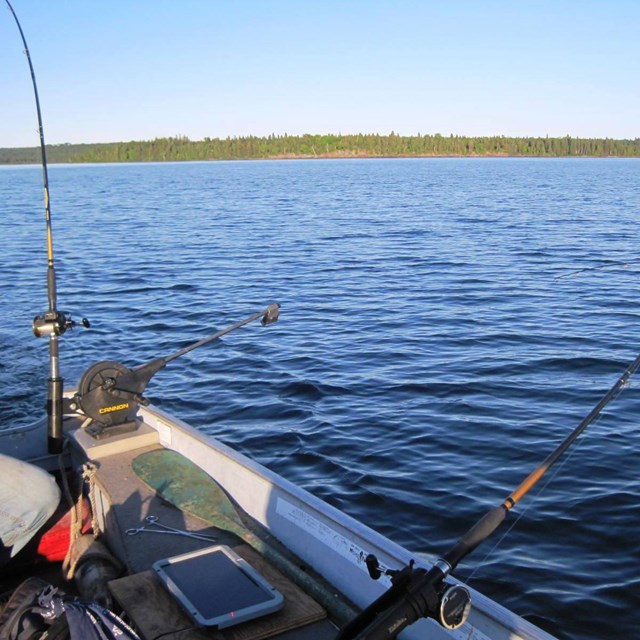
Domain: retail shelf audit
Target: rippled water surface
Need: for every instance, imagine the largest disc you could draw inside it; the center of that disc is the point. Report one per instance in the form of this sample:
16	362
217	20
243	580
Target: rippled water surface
433	347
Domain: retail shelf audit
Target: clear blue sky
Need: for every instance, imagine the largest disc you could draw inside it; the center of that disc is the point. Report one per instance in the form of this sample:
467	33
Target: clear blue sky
115	70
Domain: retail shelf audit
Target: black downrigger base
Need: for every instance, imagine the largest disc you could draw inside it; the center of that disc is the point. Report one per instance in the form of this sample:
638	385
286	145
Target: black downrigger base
109	393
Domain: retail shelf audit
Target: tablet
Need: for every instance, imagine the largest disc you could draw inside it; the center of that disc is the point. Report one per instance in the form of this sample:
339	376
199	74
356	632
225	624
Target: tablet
217	587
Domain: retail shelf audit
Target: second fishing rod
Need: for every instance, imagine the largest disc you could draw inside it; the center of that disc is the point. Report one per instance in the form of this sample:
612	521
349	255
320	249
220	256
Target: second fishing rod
420	593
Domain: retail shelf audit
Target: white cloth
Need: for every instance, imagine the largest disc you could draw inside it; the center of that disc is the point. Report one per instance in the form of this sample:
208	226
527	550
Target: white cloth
28	498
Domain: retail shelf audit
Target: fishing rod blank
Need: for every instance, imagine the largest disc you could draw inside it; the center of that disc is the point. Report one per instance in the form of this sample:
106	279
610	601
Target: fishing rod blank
420	593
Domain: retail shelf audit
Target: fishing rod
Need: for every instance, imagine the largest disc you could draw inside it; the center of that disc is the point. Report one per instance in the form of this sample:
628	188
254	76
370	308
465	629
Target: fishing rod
51	323
420	593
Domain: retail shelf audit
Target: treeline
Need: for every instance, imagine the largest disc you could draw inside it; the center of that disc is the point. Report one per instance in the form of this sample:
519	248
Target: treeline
181	148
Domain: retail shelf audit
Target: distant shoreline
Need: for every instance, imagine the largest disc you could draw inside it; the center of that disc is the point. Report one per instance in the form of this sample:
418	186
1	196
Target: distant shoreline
325	147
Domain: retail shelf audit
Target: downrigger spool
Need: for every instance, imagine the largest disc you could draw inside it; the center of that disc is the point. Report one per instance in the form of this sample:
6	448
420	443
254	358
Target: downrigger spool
109	393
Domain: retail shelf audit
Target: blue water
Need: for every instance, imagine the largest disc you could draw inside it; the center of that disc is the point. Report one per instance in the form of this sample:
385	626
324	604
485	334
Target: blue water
433	347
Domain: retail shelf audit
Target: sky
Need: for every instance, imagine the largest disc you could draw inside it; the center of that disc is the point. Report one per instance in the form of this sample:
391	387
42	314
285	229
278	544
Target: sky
119	70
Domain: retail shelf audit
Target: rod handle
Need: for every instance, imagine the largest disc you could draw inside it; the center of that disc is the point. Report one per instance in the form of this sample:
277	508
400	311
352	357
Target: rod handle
480	531
54	415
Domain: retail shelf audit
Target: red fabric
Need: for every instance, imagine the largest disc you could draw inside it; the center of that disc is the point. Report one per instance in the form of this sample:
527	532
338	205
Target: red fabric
54	544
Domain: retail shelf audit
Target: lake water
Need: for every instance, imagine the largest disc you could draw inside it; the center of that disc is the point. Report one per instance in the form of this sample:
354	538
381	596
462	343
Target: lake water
433	346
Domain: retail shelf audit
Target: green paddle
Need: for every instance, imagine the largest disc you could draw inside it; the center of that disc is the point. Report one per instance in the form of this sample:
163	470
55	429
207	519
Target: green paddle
184	484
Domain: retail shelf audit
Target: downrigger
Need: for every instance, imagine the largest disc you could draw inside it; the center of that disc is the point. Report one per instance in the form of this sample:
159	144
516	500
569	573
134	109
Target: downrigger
109	393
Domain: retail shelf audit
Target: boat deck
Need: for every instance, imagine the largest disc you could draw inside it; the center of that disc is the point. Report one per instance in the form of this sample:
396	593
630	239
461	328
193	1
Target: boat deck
124	503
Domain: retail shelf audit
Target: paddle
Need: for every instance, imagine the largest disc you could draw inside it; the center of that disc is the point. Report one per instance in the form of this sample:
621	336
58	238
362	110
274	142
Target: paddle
184	484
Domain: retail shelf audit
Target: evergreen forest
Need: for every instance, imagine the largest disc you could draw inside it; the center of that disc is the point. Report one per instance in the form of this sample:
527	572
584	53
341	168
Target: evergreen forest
181	148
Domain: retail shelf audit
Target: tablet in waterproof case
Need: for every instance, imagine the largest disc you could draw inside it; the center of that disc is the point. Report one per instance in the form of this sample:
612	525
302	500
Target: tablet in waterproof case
217	587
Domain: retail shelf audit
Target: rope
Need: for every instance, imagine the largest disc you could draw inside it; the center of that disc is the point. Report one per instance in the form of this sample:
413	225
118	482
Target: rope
89	470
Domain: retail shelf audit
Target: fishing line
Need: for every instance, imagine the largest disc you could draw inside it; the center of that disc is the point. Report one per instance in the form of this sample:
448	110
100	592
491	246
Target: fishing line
610	265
